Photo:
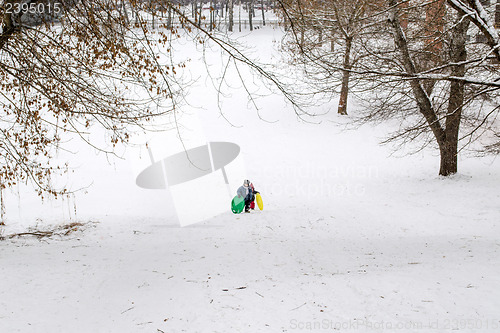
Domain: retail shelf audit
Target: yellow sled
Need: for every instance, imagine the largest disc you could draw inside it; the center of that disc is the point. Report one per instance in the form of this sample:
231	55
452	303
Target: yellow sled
258	198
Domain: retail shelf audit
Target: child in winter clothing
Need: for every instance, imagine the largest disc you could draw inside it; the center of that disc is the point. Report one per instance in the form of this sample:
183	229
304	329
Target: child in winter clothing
252	203
247	191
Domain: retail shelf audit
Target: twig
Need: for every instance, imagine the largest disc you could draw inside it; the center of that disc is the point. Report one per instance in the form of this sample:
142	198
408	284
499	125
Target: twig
298	307
145	323
128	310
39	234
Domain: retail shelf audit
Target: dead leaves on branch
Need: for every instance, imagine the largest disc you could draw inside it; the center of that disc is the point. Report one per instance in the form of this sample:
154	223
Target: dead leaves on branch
96	64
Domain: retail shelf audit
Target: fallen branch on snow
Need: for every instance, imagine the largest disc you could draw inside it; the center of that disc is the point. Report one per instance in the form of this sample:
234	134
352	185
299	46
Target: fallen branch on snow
61	230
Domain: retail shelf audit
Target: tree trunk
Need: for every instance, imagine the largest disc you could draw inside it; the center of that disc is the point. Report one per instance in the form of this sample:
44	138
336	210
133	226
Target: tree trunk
263	17
200	13
135	11
458	54
125	13
250	14
153	13
169	19
447	138
239	15
422	99
211	15
231	17
345	78
2	206
8	29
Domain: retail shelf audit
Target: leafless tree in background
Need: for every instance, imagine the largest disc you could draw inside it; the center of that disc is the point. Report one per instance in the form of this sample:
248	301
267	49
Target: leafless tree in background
412	62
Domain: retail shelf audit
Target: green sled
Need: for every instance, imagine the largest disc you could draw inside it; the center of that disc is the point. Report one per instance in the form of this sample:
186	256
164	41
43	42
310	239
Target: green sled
237	205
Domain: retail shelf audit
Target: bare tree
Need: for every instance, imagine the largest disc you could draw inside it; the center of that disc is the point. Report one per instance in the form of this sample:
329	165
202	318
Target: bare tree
413	63
349	20
445	128
343	22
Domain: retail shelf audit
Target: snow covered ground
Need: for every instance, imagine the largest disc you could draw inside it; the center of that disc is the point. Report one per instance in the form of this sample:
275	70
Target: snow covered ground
350	239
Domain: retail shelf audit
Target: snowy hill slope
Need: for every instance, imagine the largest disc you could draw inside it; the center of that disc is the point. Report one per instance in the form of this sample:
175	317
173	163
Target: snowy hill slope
349	239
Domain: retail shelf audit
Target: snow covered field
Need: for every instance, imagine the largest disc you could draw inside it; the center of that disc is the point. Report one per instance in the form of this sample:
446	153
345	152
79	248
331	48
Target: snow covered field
350	239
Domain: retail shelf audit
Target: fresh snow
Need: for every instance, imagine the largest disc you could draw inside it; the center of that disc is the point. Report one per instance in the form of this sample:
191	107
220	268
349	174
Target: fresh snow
351	238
